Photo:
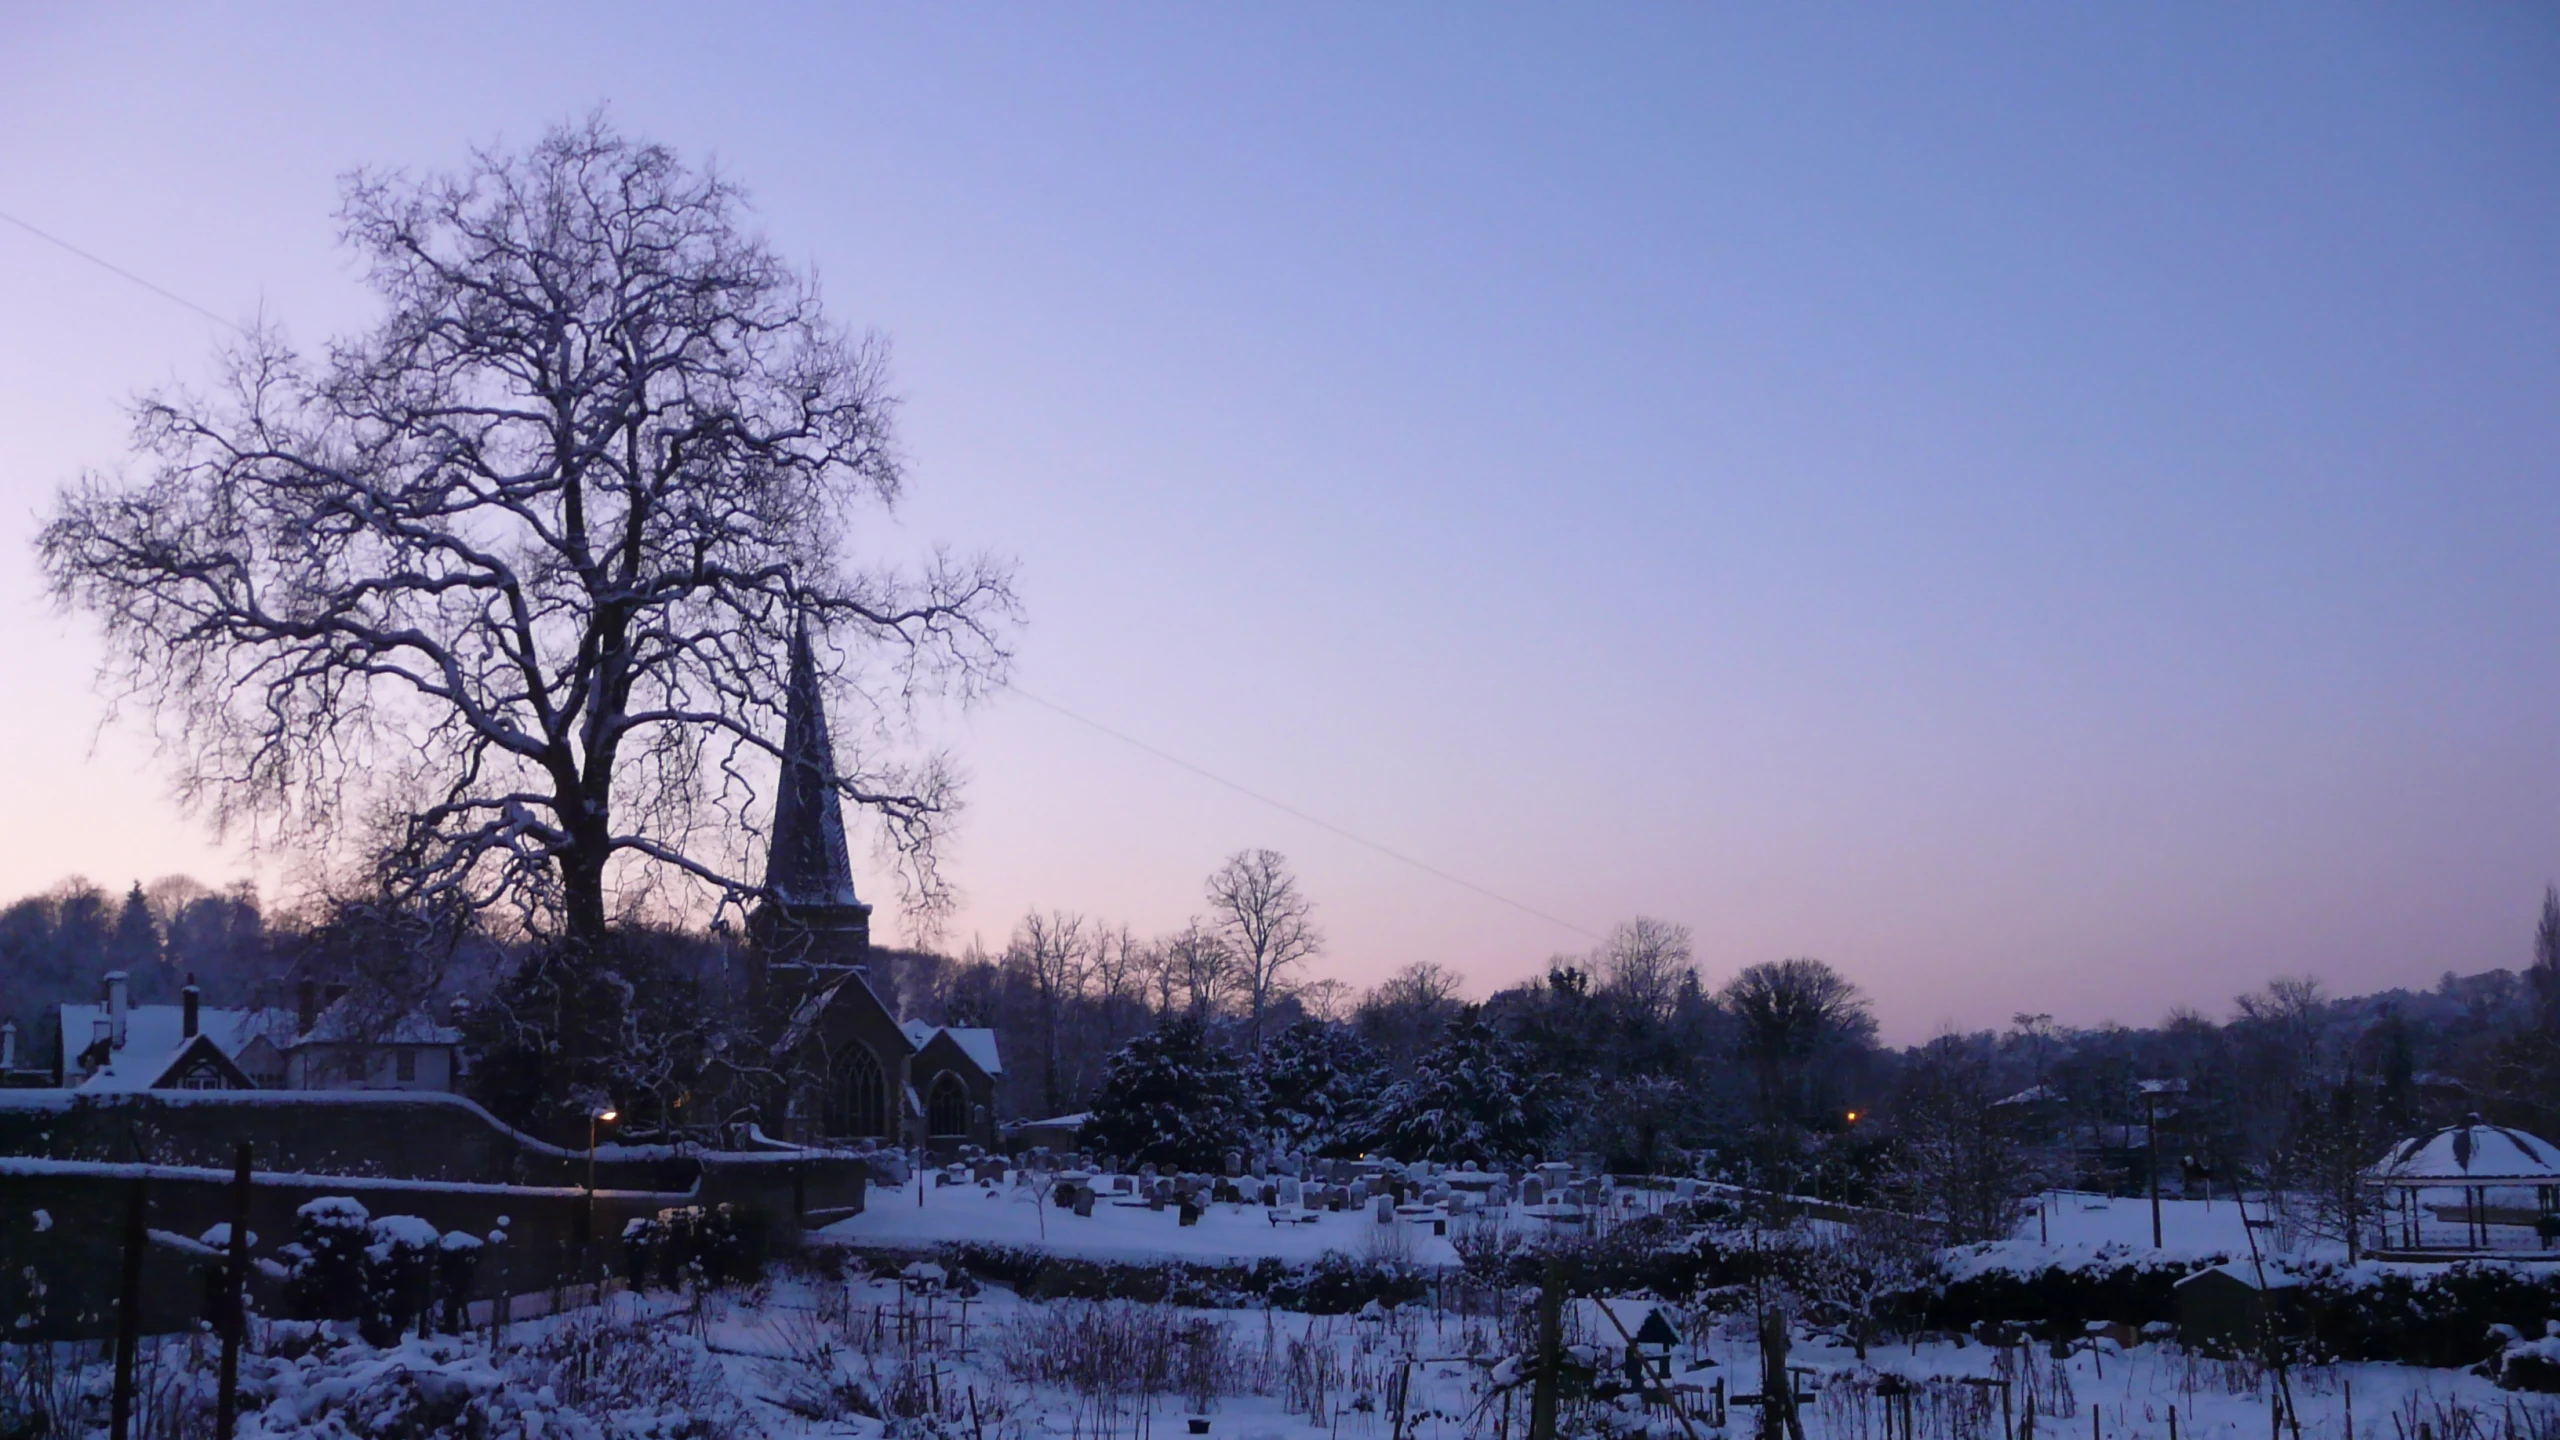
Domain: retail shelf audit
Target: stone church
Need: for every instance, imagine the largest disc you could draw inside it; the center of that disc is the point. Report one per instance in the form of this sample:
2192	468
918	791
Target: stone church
851	1072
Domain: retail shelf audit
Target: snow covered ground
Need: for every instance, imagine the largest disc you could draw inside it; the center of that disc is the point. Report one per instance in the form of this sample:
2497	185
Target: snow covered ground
1008	1215
809	1355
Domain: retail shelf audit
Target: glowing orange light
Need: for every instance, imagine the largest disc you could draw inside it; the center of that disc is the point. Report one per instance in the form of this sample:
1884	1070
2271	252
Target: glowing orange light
1853	1117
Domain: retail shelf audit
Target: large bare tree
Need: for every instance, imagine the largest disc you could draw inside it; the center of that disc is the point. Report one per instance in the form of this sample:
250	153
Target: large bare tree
1267	922
505	585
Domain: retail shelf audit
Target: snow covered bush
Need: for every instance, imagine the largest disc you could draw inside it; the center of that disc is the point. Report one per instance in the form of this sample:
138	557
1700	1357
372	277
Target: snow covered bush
399	1275
325	1261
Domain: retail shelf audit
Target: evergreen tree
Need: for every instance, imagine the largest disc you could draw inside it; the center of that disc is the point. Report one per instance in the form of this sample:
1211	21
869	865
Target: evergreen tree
134	947
1317	1082
1474	1097
1174	1098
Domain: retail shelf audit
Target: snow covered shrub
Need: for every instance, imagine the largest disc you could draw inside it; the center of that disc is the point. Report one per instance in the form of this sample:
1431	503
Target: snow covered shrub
399	1275
710	1245
457	1267
325	1262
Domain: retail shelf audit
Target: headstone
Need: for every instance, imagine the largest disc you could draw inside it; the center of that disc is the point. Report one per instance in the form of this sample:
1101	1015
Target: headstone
1533	1191
1384	1207
1190	1213
1289	1190
1235	1163
1084	1202
1155	1200
1269	1192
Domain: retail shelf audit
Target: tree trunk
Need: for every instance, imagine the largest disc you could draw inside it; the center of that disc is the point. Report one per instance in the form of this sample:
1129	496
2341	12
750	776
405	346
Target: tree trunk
582	902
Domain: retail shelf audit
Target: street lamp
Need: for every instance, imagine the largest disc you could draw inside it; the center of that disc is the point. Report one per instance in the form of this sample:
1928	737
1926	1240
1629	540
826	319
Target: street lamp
2151	1091
606	1116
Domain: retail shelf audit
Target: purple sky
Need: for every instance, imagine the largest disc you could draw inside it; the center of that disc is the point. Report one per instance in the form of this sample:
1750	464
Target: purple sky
2045	509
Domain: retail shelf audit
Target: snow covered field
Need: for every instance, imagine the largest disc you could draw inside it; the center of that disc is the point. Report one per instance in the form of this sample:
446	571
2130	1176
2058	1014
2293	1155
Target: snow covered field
1121	1230
812	1355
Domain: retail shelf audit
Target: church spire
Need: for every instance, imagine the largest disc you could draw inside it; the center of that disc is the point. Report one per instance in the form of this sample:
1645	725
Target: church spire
807	864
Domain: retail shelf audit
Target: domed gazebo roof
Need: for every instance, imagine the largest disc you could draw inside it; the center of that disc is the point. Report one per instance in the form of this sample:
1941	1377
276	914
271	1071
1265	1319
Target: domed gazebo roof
2471	1153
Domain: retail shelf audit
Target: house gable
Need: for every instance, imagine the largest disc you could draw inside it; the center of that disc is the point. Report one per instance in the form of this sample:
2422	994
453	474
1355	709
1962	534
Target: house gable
199	1064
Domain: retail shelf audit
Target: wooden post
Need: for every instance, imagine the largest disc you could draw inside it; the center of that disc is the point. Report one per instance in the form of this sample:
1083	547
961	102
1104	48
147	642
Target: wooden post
129	1309
1542	1399
235	1305
2151	1113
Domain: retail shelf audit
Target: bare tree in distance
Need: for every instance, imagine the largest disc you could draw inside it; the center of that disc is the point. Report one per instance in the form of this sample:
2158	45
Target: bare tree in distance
1789	1012
1267	922
1643	962
1054	953
509	580
1406	1014
1192	972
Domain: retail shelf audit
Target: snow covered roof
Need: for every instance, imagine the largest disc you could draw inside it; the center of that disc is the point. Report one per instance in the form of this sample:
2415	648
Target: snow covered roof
978	1044
339	1025
153	1035
2472	1153
2039	1095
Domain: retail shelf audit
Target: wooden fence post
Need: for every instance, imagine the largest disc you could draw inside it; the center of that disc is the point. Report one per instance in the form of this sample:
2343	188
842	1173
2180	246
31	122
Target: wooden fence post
129	1308
235	1305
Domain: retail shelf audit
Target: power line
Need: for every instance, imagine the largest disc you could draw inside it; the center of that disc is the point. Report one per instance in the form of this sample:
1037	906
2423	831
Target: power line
1123	737
117	270
1293	811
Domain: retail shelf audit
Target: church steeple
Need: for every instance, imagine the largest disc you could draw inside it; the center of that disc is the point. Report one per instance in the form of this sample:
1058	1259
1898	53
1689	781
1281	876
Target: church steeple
810	926
807	864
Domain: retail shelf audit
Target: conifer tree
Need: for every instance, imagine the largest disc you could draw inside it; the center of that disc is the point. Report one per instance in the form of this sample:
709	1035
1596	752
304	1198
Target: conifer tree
1175	1099
1474	1097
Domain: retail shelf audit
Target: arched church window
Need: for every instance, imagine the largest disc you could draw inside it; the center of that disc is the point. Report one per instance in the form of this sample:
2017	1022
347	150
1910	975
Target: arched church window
949	1107
859	1100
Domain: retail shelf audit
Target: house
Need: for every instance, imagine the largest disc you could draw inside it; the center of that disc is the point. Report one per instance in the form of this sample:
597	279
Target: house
956	1069
336	1047
115	1045
119	1046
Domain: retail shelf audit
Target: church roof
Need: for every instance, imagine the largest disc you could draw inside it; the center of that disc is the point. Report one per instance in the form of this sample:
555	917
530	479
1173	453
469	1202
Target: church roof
978	1044
807	863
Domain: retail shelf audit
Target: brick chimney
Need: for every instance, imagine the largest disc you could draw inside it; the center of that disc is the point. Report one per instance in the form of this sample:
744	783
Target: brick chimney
192	1000
115	1009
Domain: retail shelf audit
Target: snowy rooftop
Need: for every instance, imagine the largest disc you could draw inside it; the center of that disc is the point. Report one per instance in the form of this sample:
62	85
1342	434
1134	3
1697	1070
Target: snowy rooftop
2471	1153
152	1035
978	1045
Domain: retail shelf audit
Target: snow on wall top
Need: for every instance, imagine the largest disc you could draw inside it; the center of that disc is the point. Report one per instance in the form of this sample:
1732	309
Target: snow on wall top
2472	1153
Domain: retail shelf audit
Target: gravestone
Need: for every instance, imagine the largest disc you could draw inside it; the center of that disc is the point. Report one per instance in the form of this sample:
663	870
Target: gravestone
1289	1190
1084	1202
1533	1191
1384	1207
